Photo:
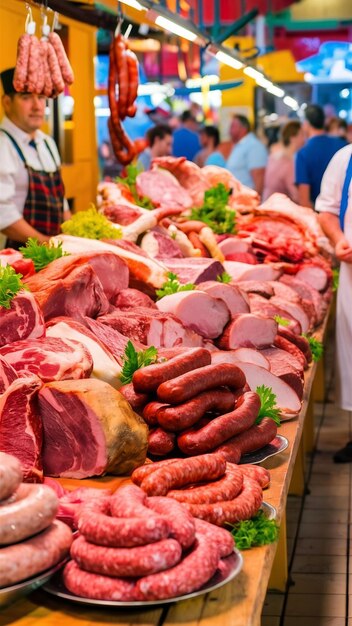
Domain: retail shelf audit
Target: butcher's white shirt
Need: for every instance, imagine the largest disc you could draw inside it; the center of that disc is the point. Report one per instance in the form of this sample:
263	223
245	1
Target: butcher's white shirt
13	174
329	199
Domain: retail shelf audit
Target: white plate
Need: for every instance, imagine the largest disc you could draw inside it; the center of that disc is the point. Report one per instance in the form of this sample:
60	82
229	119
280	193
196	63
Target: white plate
15	592
232	566
277	445
269	510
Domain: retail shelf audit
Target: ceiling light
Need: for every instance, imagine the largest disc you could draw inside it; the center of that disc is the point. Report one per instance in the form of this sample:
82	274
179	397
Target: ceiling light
224	57
176	25
291	102
276	91
253	73
134	4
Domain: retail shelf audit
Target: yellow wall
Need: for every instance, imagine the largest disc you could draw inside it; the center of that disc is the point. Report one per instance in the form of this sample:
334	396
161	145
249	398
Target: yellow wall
322	10
80	176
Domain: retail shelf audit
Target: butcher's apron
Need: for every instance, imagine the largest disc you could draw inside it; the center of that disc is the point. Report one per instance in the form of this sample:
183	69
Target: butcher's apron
44	205
344	305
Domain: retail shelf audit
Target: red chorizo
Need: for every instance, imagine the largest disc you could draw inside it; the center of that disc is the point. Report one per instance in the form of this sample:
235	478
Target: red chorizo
150	412
11	475
160	442
33	510
133	78
184	472
192	383
21	69
257	472
180	521
220	536
225	488
149	378
198	244
135	399
252	439
243	507
184	415
190	574
88	585
65	66
122	74
55	71
129	501
33	64
145	470
137	561
222	428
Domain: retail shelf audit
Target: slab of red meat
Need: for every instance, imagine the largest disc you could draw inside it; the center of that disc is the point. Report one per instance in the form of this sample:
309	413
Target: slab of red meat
188	174
111	338
50	358
130	298
194	270
7	374
160	245
22	320
163	189
21	430
280	235
262	306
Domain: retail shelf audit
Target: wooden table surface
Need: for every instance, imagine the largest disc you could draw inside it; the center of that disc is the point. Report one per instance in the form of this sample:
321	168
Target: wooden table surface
238	603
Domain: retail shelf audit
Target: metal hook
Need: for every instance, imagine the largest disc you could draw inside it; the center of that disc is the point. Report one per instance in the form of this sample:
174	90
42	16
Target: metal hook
29	17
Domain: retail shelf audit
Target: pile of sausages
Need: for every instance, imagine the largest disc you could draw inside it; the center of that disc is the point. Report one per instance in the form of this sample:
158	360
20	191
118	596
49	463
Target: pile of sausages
30	540
123	74
197	408
42	66
209	487
133	547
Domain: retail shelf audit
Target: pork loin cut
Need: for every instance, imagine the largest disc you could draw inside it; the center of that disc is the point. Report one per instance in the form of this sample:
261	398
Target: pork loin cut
89	429
246	271
105	366
23	320
248	331
286	398
160	246
308	293
7	374
233	297
261	288
246	355
199	311
234	245
295	310
313	275
262	306
194	270
130	298
50	358
287	367
21	432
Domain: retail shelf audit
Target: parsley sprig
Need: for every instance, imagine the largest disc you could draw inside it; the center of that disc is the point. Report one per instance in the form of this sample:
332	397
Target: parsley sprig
41	253
316	347
257	531
224	278
129	181
10	285
172	285
133	360
282	321
214	212
268	406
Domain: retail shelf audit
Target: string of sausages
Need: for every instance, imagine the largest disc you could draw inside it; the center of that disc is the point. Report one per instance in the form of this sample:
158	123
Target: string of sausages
42	66
123	74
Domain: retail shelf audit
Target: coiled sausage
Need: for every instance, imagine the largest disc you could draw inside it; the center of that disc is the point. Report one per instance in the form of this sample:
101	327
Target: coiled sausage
33	510
143	471
89	585
149	378
129	501
11	475
180	521
225	488
217	535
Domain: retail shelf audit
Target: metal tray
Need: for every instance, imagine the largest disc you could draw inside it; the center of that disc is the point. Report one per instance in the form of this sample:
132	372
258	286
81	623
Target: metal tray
232	567
15	592
277	445
269	510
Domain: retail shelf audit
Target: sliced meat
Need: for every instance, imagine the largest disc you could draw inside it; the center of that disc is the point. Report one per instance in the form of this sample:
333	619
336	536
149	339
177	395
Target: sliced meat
286	398
247	271
262	288
286	367
233	245
194	270
313	275
295	310
7	374
261	306
247	355
23	320
160	246
130	298
308	293
199	311
299	341
163	189
233	297
248	331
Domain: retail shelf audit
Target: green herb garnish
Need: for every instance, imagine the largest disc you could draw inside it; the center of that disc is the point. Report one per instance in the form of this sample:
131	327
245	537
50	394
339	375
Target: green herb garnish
92	225
214	212
316	347
335	278
42	253
268	406
172	285
282	321
224	278
133	360
257	531
10	285
129	181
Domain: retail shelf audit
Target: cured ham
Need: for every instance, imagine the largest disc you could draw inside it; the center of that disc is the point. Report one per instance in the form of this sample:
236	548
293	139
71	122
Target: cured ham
235	300
198	310
248	331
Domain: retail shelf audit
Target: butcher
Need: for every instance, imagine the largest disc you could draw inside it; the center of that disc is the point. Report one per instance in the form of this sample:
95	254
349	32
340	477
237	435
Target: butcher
335	207
32	200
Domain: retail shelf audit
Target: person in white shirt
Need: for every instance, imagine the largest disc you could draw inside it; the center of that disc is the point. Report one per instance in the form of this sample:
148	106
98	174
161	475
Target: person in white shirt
32	202
249	156
334	205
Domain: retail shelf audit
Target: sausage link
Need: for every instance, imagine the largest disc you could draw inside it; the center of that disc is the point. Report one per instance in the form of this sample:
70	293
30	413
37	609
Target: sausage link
190	226
138	561
131	111
225	488
88	585
257	472
221	428
25	559
184	472
33	510
112	78
21	69
140	473
48	83
11	475
135	399
188	385
149	378
180	521
243	507
187	576
198	244
40	84
64	63
150	412
133	79
220	536
184	415
122	74
97	526
160	442
129	501
252	439
55	71
33	64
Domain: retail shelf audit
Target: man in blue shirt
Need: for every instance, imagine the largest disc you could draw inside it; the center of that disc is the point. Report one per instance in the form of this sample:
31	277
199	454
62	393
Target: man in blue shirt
313	158
186	141
249	156
209	155
159	140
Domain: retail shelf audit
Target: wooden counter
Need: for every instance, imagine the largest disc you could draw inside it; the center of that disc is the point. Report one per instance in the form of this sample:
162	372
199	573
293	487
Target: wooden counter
238	603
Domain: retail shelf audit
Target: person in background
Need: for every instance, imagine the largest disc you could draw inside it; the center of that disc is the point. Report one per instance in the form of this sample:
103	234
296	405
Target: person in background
186	141
313	158
248	157
280	170
336	127
334	205
159	140
209	155
32	202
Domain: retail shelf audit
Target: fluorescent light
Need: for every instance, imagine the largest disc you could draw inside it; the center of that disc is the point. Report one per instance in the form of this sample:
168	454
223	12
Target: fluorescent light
253	73
227	59
291	102
276	91
134	4
174	28
147	89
